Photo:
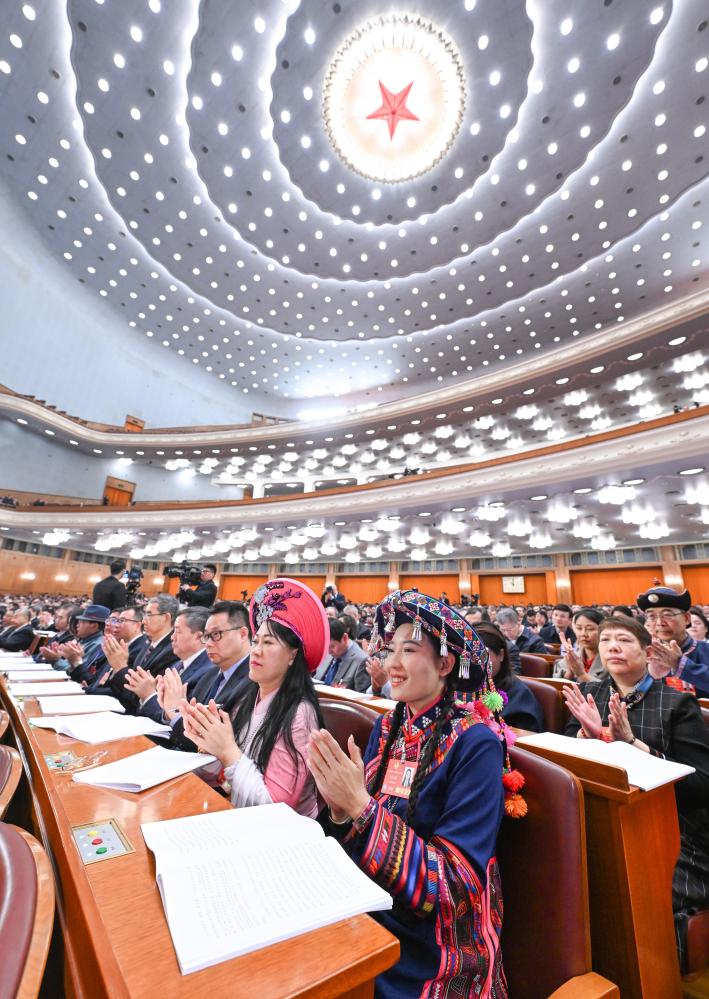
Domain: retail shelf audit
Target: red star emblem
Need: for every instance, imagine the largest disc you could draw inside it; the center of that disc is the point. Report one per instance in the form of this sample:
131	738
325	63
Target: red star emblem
394	108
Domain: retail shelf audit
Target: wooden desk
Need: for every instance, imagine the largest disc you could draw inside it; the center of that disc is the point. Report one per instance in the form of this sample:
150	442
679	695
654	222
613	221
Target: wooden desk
116	942
632	841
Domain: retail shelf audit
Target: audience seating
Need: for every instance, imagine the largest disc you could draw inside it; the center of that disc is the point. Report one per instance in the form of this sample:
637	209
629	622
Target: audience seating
545	933
697	943
550	700
345	718
26	913
532	665
10	772
4	722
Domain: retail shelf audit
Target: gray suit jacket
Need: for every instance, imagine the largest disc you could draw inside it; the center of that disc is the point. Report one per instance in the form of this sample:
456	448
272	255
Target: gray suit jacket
351	672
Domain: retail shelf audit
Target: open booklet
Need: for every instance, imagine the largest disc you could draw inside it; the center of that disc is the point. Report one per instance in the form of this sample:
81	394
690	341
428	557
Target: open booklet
644	771
102	727
143	770
234	881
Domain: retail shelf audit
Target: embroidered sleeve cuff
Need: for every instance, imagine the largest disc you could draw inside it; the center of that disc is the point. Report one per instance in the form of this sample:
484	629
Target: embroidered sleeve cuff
363	821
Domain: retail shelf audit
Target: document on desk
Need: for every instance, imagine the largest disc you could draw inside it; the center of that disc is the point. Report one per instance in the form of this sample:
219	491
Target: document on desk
79	704
23	674
102	727
57	689
233	882
143	770
644	771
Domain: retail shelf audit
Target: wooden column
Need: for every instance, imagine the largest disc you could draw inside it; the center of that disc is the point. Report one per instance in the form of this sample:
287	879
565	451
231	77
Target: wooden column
671	568
562	580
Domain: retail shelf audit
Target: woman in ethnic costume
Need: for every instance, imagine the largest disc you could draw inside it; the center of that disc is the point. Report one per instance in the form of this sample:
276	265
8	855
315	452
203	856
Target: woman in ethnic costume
431	845
628	705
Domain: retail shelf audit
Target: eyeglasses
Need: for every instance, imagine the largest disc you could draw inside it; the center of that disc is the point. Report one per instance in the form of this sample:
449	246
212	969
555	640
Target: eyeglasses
130	620
216	636
156	614
651	617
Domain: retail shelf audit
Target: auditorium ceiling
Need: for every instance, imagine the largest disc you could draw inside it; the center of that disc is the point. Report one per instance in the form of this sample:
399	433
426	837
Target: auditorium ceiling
340	204
431	236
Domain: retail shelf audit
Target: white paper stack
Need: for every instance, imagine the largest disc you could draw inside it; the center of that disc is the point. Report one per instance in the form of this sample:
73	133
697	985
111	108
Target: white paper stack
79	704
22	674
103	727
26	666
143	770
644	771
59	687
234	881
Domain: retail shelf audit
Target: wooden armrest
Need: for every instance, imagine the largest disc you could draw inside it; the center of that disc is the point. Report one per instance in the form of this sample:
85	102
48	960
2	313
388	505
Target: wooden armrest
588	986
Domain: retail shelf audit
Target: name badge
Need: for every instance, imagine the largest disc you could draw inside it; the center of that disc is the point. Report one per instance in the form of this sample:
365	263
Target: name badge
399	777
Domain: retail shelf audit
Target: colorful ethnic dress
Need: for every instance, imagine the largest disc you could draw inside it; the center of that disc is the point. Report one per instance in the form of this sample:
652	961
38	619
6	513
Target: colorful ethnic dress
441	870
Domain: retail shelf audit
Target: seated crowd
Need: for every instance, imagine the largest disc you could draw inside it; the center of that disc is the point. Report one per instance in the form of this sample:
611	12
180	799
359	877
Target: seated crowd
239	682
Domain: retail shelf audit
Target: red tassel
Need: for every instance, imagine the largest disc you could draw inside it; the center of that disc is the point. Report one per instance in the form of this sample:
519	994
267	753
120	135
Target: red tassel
515	806
513	781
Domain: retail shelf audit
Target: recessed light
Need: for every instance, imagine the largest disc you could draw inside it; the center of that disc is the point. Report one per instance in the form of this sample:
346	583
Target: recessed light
691	471
632	482
541	496
583	490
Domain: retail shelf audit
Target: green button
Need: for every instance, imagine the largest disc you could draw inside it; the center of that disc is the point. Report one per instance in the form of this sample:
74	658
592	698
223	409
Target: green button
102	849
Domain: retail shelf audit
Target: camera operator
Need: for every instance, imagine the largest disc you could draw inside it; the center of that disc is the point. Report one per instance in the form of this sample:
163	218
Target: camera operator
206	592
110	592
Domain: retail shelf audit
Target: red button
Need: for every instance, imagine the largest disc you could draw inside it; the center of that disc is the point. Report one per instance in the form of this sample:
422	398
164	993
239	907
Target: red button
96	842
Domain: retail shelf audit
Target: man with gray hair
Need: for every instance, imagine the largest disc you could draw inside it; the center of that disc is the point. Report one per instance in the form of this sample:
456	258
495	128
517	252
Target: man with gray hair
193	663
20	636
158	620
514	631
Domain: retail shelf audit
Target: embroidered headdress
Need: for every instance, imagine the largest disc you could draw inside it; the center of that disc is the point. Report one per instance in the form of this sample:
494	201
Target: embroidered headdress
296	607
471	674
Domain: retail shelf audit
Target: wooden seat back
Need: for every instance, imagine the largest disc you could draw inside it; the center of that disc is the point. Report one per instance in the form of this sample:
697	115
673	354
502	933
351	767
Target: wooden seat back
10	773
4	722
532	665
550	701
545	930
26	912
345	718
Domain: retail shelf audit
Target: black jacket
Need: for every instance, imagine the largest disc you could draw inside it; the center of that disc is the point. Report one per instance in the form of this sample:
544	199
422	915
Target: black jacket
550	635
229	698
110	592
527	641
18	640
203	596
154	661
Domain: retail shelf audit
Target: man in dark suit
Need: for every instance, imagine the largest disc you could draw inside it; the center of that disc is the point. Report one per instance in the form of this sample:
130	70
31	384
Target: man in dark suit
63	616
123	645
158	619
347	665
20	635
560	624
227	639
206	592
110	592
193	662
514	631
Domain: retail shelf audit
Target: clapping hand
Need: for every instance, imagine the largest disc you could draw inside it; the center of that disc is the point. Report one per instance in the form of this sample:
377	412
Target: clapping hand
584	711
171	691
575	669
140	682
211	731
663	658
340	778
71	651
378	674
116	651
618	723
50	653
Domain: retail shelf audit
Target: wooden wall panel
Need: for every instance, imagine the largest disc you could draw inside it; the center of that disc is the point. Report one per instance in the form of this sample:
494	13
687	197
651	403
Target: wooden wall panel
696	579
535	589
362	589
81	575
230	586
611	586
316	583
433	584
